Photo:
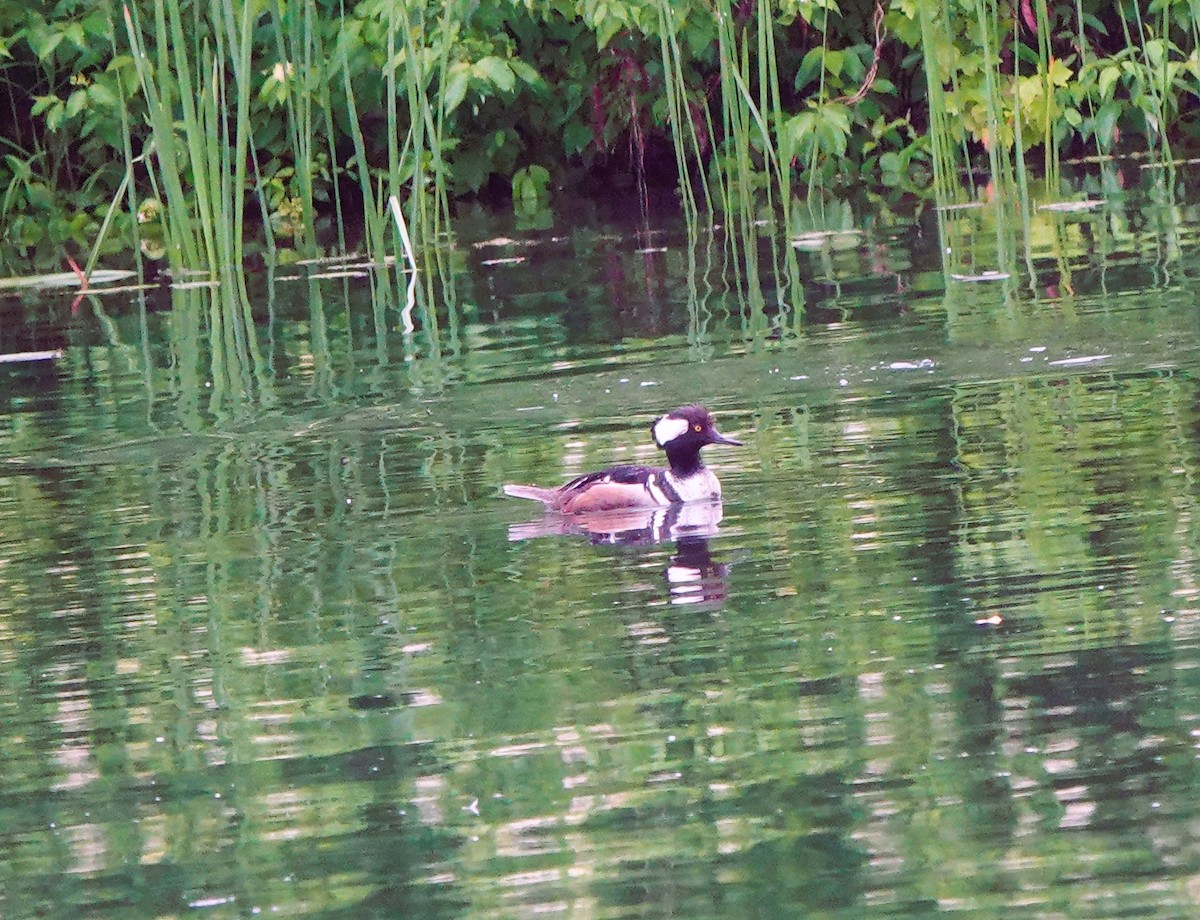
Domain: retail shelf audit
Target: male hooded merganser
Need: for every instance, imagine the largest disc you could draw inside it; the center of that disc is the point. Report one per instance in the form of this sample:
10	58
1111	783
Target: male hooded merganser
681	434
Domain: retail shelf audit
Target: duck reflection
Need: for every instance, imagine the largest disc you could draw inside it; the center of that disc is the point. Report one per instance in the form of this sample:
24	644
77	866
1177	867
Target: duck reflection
693	576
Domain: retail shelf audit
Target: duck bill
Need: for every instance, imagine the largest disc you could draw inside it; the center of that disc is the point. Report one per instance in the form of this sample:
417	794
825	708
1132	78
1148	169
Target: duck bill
717	438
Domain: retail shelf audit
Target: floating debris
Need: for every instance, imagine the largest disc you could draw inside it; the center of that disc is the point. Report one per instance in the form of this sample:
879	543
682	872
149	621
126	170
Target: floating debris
1089	204
1085	359
820	239
983	276
64	280
512	261
1165	164
330	260
188	285
345	273
22	357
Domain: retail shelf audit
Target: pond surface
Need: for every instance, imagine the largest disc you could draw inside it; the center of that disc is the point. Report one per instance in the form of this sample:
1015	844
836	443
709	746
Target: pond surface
273	642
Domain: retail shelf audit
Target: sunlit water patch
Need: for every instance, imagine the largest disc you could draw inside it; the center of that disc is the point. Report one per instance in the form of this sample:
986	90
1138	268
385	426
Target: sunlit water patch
273	642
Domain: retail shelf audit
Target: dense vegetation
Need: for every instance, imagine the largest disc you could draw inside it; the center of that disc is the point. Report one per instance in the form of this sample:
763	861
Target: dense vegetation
180	114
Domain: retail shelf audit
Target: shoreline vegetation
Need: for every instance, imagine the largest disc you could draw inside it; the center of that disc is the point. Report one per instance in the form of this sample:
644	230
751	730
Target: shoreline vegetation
187	131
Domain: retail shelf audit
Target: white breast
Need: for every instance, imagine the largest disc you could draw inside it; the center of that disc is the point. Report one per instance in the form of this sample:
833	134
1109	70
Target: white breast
702	485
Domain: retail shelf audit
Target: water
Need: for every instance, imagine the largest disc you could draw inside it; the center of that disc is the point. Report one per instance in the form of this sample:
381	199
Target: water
268	648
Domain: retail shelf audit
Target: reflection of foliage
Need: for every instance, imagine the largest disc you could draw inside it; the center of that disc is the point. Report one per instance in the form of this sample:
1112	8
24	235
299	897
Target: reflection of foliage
288	655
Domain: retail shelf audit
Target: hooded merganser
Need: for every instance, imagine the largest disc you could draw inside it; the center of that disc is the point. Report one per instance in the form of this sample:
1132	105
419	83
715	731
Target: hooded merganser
681	433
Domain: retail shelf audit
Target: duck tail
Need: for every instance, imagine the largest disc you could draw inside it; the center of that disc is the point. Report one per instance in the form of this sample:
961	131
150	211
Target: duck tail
548	497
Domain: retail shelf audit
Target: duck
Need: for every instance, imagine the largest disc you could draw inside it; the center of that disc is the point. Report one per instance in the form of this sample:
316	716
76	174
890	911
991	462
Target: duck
681	433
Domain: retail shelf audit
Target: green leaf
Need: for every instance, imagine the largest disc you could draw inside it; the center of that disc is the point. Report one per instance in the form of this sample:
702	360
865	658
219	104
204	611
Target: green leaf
102	95
576	137
1060	74
531	184
832	138
456	87
1106	122
836	115
1156	51
1108	76
76	102
55	115
605	32
42	103
497	72
38	195
799	129
834	62
809	68
96	24
44	48
471	168
699	34
22	170
1029	91
74	32
524	72
27	232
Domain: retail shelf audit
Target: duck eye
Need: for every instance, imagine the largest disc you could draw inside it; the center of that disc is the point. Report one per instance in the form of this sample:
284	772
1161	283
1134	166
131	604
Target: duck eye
698	427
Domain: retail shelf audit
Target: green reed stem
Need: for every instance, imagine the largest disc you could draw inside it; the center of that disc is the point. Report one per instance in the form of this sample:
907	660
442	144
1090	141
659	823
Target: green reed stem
178	229
941	135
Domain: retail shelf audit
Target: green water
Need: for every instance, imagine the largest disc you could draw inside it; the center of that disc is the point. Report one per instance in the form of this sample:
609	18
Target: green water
267	647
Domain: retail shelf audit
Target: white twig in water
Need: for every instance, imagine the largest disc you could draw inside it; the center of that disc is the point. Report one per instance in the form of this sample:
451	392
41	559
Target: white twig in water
394	204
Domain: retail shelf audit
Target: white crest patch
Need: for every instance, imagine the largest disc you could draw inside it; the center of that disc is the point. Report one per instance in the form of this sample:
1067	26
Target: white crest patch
667	429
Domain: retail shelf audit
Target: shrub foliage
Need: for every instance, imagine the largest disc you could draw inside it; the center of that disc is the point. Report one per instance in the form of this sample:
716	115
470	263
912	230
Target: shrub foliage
523	97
